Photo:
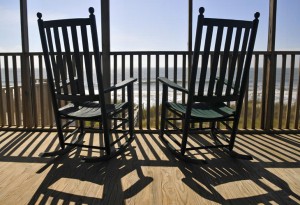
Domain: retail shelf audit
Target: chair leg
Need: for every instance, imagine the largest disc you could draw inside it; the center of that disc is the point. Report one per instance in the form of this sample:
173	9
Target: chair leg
106	135
130	124
60	133
213	132
130	110
185	133
81	123
162	122
231	144
163	111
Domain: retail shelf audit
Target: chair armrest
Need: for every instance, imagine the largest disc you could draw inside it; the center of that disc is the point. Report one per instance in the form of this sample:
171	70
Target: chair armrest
171	84
121	84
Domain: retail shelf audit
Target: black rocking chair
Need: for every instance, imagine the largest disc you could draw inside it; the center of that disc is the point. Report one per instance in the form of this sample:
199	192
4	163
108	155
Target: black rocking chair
76	85
216	90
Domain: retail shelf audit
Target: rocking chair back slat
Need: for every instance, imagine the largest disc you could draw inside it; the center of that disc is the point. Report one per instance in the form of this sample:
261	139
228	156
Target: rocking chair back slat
59	61
76	56
67	55
233	60
205	60
224	62
215	62
87	59
242	68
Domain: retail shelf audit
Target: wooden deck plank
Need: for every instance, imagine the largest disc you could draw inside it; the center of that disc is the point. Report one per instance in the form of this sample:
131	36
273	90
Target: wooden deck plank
148	174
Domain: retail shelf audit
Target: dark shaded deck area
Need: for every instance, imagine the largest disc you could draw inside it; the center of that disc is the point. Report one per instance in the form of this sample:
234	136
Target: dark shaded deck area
148	174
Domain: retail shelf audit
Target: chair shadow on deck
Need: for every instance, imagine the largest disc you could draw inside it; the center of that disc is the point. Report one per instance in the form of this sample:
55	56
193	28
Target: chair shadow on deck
222	180
107	175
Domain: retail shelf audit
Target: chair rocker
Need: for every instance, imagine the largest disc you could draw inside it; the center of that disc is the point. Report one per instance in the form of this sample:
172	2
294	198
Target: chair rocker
76	86
223	49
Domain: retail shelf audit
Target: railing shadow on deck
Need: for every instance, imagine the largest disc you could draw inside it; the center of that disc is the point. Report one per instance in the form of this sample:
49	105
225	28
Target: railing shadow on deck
207	181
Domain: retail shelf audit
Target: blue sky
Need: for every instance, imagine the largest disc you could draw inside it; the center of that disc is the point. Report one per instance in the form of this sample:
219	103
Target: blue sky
150	24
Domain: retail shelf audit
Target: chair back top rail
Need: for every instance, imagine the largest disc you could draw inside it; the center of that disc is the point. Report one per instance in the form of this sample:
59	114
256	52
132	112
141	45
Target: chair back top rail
67	22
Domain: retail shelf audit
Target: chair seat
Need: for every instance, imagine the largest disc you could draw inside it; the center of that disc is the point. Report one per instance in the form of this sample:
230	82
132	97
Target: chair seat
88	109
205	111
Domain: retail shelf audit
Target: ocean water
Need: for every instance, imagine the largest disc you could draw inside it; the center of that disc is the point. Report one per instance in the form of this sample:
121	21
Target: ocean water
143	82
153	84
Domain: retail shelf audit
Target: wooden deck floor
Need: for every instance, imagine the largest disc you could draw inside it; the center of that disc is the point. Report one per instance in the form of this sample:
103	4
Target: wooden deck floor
148	174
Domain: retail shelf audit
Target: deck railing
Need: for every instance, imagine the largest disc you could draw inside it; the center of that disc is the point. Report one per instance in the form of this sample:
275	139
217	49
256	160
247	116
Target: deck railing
146	67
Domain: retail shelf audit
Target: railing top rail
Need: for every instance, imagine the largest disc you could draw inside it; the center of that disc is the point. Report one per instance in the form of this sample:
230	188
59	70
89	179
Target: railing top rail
10	53
159	53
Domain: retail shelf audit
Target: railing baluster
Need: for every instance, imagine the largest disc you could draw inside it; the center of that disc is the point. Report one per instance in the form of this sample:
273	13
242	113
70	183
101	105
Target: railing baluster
8	103
263	95
41	100
33	91
296	124
123	89
246	102
157	93
140	91
184	75
148	89
175	80
175	77
166	65
115	80
131	66
51	111
254	99
289	104
166	68
123	76
16	92
281	95
2	114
